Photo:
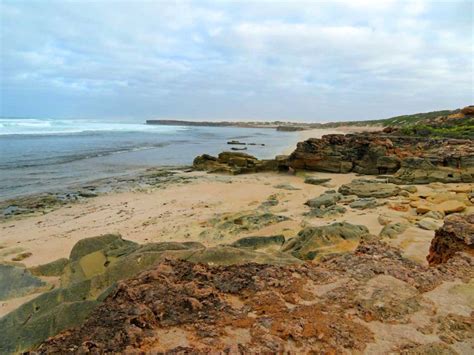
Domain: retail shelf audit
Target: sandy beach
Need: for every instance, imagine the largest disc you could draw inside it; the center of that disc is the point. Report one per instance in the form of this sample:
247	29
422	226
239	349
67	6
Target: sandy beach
181	212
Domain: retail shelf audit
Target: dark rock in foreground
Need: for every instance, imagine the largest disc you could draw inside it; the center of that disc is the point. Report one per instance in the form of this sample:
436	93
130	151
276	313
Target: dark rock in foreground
183	307
456	235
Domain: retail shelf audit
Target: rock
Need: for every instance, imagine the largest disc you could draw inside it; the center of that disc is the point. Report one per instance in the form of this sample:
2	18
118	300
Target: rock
468	110
324	200
271	201
54	268
337	153
22	256
428	224
384	219
434	215
95	265
181	307
416	170
393	230
107	241
400	207
451	207
259	242
369	188
315	180
236	223
325	212
410	188
445	207
17	282
365	203
456	235
236	142
235	148
315	241
286	187
227	255
238	163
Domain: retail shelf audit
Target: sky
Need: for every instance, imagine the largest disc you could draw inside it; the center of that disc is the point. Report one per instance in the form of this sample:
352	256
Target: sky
313	61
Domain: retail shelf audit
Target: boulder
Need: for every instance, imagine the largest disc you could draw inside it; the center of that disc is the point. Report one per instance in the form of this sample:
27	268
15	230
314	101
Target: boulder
324	200
428	224
456	235
325	212
369	188
393	230
365	203
312	180
312	242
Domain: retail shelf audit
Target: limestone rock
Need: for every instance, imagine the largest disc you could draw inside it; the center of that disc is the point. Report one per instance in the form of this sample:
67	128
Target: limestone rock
369	188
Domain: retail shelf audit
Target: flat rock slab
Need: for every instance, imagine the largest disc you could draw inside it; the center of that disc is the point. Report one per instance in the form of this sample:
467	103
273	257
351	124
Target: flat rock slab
368	188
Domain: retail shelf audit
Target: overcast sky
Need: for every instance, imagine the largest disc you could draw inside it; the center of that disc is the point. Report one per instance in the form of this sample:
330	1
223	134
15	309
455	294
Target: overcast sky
291	60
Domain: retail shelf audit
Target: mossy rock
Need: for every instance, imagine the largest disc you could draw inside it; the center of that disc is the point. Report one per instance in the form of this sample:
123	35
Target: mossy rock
103	242
44	316
54	268
17	282
259	242
315	241
227	255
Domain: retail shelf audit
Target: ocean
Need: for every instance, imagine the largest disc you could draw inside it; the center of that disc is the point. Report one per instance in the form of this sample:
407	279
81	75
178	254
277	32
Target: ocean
46	155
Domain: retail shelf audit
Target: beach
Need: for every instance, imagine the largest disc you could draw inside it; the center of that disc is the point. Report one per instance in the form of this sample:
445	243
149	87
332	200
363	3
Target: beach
180	207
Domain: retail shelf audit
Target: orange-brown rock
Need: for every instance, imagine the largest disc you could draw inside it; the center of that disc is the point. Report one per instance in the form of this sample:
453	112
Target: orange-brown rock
456	235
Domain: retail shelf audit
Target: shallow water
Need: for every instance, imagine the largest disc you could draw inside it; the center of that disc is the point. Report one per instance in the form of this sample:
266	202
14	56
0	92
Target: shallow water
38	155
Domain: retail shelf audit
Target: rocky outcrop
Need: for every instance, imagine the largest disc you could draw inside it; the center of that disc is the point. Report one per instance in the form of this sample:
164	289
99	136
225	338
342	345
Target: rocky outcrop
95	265
415	170
238	163
338	153
456	235
344	303
414	159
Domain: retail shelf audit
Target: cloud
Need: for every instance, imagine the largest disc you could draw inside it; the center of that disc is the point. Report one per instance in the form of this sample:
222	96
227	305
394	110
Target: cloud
300	60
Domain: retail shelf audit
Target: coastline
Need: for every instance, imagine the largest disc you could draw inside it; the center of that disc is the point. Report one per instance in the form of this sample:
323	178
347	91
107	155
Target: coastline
176	207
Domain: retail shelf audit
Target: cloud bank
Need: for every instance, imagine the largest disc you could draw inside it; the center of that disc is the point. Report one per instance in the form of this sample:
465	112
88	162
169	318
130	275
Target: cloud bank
294	60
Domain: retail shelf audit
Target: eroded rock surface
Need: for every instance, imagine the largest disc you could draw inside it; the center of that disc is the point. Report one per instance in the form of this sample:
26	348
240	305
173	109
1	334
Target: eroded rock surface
456	235
237	163
328	307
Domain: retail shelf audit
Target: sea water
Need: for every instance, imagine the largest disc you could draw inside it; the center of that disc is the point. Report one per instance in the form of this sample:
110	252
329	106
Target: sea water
39	155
